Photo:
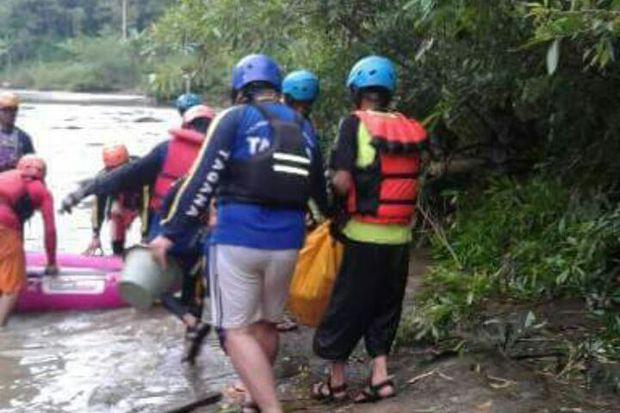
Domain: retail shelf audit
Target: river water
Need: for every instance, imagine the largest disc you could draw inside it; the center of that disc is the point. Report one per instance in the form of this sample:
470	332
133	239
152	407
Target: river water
102	361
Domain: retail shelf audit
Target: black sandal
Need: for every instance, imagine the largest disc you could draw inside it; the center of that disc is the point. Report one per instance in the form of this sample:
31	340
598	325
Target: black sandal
319	391
287	325
195	335
372	392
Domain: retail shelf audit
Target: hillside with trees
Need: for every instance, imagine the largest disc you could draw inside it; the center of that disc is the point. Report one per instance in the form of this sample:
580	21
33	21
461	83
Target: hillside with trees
81	45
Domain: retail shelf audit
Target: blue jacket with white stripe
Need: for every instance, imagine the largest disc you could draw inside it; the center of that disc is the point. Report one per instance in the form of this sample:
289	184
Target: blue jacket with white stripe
241	133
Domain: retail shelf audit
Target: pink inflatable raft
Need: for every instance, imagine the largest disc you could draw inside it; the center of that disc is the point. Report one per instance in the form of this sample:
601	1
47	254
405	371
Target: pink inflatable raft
84	283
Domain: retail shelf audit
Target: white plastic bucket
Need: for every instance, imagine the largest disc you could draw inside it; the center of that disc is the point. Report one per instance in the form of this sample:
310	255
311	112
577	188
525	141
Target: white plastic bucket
143	280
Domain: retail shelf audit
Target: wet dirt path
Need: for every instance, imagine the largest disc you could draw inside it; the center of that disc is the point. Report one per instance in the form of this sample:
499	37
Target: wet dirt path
429	381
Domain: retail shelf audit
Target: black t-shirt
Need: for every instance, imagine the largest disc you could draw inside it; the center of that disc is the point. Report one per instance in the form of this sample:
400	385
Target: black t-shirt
344	154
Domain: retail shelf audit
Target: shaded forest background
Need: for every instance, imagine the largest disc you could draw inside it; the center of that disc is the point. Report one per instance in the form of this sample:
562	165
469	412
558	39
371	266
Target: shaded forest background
521	100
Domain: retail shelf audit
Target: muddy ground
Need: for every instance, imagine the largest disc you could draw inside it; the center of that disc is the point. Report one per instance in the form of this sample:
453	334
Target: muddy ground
484	379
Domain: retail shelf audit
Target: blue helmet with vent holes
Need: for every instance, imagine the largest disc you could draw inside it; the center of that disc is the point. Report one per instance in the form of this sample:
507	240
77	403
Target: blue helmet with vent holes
377	71
256	68
186	101
301	85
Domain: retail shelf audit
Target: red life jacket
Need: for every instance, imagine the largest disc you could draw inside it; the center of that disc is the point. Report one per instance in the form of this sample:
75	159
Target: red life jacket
385	191
182	151
12	187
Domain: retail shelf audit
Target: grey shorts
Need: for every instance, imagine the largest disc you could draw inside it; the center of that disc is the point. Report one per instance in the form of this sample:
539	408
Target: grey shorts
248	285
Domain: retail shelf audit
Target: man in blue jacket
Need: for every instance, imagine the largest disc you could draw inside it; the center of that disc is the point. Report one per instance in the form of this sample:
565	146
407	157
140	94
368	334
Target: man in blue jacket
261	163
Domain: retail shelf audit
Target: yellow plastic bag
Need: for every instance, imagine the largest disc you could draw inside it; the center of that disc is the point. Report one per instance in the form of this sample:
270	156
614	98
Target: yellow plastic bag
315	272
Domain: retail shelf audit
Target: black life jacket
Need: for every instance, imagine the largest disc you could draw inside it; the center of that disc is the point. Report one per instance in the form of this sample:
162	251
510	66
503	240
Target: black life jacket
276	177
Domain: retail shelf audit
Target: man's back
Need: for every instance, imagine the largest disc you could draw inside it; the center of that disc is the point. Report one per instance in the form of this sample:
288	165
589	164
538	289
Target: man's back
244	134
256	225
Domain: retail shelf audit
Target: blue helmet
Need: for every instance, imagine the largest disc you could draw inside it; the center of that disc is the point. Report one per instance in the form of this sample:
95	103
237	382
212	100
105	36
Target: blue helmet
301	85
256	68
372	71
187	100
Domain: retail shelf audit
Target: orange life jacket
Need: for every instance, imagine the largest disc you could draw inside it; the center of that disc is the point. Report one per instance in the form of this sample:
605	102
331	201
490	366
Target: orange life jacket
385	191
12	187
182	151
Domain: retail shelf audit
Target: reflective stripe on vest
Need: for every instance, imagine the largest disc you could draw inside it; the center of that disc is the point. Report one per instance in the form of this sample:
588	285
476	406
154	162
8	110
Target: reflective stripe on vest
297	165
182	152
279	176
387	167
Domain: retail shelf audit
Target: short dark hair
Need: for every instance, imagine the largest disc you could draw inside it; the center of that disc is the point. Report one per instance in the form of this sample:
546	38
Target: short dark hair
380	95
249	91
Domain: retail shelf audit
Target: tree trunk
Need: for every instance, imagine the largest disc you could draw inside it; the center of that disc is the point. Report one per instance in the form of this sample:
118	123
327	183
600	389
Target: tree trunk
124	19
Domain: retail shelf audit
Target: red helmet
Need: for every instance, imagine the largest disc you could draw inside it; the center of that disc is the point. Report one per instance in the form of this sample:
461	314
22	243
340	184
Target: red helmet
196	112
115	155
32	166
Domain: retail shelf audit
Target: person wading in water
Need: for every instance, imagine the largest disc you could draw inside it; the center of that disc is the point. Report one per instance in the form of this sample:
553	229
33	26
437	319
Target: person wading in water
22	191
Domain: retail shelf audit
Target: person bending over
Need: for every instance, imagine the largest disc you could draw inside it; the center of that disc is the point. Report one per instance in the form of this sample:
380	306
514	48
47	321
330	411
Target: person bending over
22	191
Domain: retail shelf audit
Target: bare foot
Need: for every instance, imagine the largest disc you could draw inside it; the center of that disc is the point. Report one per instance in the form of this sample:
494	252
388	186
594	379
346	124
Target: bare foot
236	391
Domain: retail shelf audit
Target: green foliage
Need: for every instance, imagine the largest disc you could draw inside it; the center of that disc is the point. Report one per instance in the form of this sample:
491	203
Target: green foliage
474	70
522	241
592	26
524	89
76	39
89	64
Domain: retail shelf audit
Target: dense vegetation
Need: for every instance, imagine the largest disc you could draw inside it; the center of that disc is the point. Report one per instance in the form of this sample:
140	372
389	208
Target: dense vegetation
521	99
